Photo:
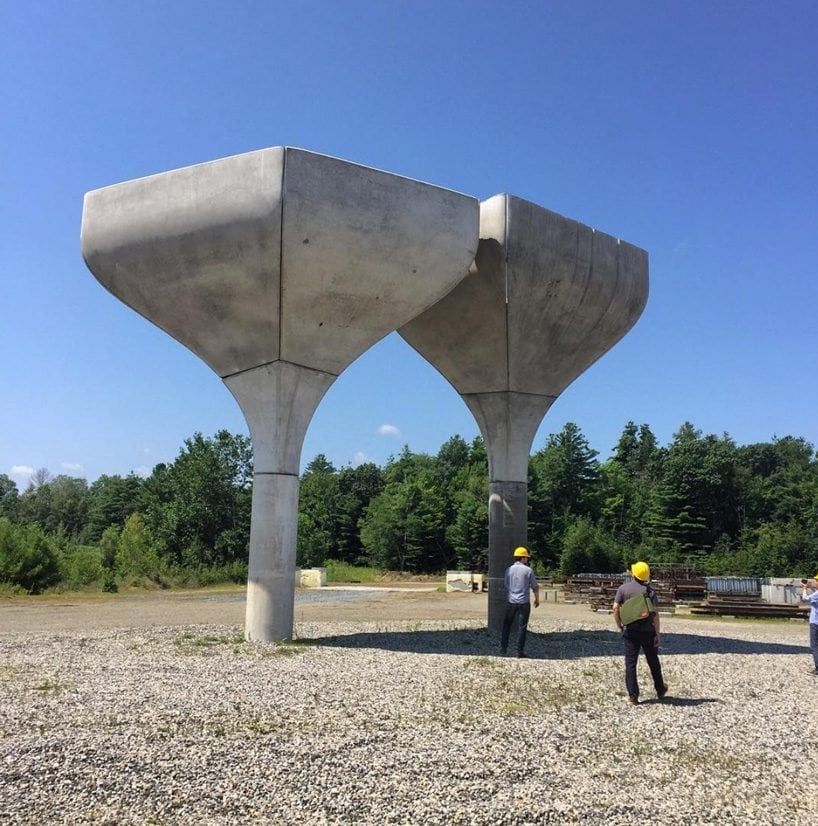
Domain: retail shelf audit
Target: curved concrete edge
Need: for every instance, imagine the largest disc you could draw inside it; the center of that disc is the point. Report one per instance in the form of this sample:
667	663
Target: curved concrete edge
278	401
196	251
508	423
573	293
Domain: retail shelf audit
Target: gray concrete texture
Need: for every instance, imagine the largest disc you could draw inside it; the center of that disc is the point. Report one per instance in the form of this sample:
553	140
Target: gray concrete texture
546	298
278	268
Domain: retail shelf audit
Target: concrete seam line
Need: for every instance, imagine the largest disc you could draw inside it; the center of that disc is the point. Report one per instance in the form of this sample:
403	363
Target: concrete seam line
516	392
505	278
273	473
281	252
277	361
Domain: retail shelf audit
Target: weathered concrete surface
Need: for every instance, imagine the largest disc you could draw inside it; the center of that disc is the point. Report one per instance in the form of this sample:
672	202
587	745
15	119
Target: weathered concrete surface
278	268
547	297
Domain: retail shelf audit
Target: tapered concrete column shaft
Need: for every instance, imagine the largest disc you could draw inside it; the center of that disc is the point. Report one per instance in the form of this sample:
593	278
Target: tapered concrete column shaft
508	529
278	401
271	574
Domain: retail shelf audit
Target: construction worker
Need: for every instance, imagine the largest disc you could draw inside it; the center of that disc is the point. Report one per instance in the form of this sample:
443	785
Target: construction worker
809	593
520	580
636	614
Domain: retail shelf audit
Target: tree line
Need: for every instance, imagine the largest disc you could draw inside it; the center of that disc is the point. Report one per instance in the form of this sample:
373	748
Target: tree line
728	509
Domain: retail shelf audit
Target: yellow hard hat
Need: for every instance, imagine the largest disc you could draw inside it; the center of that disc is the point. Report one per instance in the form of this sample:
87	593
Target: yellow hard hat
641	570
521	551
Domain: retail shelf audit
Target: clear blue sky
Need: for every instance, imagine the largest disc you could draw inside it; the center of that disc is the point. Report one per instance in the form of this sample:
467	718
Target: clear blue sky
690	129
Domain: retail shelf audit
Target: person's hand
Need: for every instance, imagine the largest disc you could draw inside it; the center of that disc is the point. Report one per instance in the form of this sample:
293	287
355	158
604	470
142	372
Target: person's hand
536	602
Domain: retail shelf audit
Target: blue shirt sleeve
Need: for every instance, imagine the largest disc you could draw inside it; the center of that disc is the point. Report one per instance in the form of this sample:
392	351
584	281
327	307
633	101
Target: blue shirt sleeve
532	580
812	598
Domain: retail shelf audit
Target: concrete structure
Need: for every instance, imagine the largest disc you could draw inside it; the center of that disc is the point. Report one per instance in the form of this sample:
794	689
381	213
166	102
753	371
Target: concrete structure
311	577
278	268
464	581
547	297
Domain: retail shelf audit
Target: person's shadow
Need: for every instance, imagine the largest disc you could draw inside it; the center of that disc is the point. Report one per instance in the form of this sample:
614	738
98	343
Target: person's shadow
679	702
556	645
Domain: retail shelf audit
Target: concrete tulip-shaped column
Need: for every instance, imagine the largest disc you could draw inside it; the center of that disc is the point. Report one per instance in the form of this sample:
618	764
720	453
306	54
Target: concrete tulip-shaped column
278	268
547	297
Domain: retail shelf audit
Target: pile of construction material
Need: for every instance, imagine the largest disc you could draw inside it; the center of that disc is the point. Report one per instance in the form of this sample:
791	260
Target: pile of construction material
673	584
753	597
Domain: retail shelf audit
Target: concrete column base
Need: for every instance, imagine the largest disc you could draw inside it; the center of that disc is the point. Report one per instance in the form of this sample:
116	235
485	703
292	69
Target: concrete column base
508	528
271	575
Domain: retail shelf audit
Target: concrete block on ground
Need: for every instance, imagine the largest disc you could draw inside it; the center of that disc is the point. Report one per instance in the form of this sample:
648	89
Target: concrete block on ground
311	577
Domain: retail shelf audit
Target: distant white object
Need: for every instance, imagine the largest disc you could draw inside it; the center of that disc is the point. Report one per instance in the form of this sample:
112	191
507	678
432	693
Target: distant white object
781	591
310	577
464	581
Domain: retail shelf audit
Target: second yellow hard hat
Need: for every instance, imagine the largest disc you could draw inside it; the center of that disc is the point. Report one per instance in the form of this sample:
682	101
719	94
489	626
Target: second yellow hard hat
641	570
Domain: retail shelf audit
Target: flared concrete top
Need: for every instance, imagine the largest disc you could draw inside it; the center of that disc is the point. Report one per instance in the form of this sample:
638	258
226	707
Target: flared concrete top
279	254
547	298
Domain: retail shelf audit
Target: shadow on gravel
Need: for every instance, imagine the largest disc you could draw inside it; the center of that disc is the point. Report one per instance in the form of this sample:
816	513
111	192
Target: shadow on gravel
559	645
680	702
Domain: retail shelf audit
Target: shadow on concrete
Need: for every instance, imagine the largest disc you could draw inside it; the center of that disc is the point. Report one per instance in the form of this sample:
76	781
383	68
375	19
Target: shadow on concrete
557	645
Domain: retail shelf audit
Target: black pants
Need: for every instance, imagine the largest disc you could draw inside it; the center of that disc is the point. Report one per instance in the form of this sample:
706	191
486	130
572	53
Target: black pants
523	609
641	635
813	642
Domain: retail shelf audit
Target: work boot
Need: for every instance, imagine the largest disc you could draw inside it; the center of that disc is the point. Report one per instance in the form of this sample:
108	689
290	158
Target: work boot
633	700
522	656
661	692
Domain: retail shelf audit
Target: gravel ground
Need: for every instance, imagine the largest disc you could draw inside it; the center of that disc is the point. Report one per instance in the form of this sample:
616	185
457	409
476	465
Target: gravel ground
405	722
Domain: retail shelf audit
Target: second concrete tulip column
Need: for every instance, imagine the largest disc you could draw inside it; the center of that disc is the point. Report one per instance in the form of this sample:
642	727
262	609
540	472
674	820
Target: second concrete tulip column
546	298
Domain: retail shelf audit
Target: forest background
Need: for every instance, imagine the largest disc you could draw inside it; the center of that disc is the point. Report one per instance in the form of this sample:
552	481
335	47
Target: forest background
702	500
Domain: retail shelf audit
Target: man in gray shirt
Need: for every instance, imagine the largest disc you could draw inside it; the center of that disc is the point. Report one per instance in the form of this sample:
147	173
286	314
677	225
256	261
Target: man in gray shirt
520	580
642	633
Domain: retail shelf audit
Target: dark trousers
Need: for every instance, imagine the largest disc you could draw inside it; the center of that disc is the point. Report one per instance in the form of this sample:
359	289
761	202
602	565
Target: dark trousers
813	642
641	636
523	610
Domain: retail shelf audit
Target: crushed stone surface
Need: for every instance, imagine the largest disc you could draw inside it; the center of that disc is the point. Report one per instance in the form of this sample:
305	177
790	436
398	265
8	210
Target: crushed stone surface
406	722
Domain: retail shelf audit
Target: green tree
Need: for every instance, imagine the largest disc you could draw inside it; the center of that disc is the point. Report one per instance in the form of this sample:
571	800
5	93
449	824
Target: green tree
27	558
318	520
136	554
111	500
563	483
587	548
357	487
9	497
198	507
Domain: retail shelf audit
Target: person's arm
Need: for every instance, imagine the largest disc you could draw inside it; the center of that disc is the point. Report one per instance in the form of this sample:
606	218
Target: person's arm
806	596
536	589
616	616
656	627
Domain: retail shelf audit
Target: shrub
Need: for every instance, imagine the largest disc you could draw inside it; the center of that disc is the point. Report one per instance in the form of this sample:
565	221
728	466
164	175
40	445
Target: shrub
82	566
27	558
136	555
